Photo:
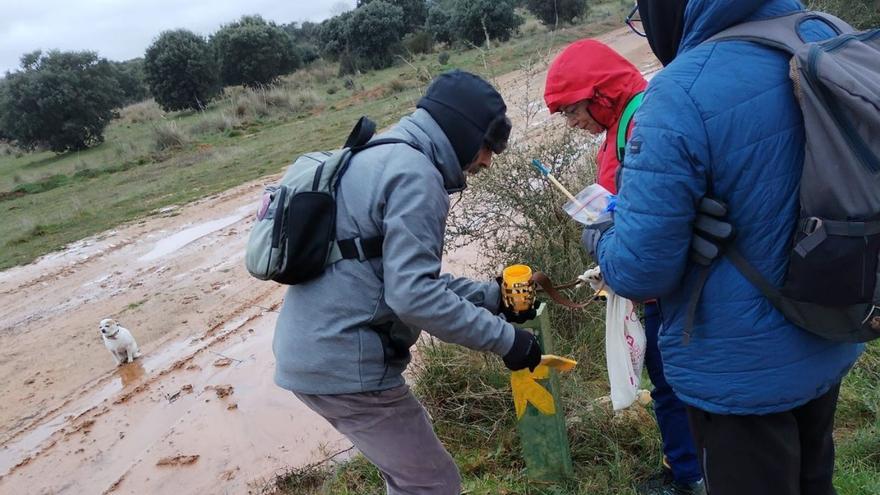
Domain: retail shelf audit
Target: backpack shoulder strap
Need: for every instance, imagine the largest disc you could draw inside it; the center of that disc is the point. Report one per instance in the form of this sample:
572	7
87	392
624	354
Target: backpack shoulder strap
835	323
780	32
623	127
362	132
357	149
787	307
356	247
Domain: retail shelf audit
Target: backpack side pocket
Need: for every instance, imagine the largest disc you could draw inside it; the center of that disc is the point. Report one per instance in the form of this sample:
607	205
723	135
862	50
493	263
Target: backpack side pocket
309	228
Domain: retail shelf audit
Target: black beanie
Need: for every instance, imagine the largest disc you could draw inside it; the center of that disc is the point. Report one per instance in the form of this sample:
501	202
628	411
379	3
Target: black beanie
470	112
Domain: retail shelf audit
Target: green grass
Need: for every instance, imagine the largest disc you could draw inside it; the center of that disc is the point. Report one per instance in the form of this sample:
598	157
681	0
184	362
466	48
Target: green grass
857	429
468	396
135	305
49	200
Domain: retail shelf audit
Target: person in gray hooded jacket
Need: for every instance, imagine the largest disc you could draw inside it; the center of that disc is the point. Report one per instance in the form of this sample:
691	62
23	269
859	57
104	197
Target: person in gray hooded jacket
342	340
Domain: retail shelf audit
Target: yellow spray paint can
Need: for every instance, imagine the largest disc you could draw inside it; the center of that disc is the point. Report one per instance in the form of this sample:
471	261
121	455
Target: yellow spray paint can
519	290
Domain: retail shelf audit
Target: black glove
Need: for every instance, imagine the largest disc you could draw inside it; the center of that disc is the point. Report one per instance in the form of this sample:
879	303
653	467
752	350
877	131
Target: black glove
592	234
522	316
525	353
711	232
511	315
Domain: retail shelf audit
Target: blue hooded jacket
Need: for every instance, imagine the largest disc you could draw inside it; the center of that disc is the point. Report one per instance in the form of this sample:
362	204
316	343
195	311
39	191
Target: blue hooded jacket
721	119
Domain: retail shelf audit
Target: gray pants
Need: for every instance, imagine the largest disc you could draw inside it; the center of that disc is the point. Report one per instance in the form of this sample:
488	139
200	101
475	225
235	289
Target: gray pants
393	431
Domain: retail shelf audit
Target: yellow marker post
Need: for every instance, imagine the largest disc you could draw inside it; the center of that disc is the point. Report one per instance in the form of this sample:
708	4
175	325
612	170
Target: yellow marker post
539	412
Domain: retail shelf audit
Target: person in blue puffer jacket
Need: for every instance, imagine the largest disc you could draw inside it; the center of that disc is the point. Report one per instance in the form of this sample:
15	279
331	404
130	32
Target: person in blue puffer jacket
721	120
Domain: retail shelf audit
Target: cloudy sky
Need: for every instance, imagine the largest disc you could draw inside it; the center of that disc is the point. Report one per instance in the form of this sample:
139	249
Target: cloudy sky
122	29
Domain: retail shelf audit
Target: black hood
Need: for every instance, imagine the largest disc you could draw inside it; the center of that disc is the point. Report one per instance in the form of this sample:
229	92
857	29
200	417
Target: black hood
663	21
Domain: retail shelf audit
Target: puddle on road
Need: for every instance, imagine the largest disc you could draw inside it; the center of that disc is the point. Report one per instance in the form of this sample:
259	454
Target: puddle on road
176	241
130	373
125	376
241	439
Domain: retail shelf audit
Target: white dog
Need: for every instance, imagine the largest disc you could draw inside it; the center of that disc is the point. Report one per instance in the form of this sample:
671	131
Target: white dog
119	341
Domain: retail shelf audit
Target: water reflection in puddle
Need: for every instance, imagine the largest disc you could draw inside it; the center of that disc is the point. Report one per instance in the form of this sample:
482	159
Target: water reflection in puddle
176	241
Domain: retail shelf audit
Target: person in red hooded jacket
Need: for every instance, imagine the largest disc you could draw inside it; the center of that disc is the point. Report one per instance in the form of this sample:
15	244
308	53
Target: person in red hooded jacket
598	91
591	85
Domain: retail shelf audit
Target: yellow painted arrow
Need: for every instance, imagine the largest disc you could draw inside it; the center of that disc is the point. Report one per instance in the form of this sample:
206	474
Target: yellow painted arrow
559	363
526	389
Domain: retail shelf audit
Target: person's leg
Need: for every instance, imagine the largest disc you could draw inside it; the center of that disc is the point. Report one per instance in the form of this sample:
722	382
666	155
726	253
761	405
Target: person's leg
755	455
393	431
816	423
672	420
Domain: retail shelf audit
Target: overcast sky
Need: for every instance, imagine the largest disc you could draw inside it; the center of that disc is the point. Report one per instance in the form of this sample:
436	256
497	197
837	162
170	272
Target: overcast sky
122	29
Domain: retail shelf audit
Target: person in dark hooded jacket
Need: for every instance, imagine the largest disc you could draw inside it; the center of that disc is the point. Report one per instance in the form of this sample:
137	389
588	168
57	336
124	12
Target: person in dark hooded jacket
597	91
342	340
721	120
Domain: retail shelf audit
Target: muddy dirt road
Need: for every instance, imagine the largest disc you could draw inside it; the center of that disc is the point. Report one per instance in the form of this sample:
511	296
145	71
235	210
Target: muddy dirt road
198	413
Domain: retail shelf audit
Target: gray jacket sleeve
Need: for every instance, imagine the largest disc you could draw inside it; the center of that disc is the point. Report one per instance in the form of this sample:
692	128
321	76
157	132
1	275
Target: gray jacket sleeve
414	220
483	294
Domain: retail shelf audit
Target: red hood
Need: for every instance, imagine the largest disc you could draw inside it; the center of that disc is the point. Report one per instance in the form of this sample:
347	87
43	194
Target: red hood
590	70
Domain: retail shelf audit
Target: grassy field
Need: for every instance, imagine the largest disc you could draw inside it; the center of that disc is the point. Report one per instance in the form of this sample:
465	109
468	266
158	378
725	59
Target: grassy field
151	159
469	398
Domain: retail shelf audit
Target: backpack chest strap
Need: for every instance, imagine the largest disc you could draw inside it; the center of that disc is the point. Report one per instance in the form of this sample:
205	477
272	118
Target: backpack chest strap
356	248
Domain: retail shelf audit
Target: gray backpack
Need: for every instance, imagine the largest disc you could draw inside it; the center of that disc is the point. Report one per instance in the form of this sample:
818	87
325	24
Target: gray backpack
294	237
832	286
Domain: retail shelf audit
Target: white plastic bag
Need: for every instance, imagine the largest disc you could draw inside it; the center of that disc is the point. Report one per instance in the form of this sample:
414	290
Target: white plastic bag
624	349
625	342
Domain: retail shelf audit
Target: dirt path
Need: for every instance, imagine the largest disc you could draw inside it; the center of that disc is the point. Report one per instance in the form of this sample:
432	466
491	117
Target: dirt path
201	401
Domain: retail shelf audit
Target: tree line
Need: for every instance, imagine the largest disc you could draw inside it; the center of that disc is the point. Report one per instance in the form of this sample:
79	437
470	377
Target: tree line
64	100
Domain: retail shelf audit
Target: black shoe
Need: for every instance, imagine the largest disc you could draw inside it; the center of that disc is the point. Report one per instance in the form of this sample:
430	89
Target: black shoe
663	484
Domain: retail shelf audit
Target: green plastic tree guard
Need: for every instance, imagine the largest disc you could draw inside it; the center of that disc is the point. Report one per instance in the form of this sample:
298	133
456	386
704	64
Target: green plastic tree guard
544	438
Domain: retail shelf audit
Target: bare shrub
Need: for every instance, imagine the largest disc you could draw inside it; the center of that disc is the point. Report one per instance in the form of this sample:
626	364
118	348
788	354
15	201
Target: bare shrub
275	100
323	73
305	100
168	135
10	149
232	92
315	74
127	151
278	97
397	86
251	103
139	113
216	122
510	214
532	27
